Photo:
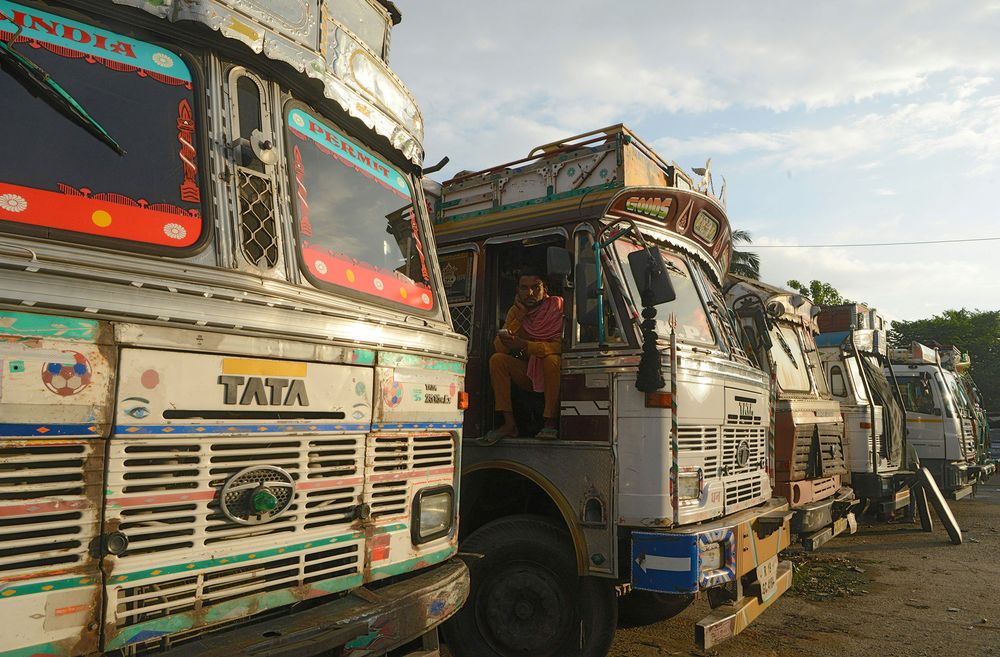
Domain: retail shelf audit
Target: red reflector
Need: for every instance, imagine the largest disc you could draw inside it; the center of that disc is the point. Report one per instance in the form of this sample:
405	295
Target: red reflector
463	400
866	425
658	400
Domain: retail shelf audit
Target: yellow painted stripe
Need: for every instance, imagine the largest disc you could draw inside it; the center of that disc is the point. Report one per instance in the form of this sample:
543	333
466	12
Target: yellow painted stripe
918	419
250	367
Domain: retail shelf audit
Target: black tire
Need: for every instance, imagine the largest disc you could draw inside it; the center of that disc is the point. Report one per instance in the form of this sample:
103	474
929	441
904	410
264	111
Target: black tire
646	607
525	598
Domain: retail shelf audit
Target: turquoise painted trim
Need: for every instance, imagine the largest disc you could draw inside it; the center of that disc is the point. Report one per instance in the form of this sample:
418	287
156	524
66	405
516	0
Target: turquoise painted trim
414	564
228	610
31	325
360	157
14	590
93	41
362	357
523	204
393	359
32	651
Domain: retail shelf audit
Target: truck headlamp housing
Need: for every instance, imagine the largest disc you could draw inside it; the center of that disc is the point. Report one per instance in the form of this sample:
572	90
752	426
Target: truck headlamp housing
688	485
711	557
433	513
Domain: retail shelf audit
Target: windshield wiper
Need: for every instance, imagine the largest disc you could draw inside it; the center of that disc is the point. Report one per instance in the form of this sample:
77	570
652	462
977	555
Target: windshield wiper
40	84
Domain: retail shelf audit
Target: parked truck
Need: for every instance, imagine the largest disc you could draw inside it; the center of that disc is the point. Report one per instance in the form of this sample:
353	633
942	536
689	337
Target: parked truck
938	419
230	395
810	468
855	359
657	483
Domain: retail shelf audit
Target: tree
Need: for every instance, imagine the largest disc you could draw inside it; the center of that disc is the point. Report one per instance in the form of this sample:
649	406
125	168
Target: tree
744	263
822	294
974	331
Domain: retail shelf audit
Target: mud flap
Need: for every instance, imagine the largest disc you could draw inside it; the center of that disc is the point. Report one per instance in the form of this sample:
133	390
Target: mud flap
923	508
940	505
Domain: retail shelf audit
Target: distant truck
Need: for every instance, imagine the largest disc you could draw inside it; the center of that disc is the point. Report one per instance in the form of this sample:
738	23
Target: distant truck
662	492
855	359
938	419
810	469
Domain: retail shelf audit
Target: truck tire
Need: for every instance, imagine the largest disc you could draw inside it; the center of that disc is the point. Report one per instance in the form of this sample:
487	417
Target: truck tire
525	597
647	607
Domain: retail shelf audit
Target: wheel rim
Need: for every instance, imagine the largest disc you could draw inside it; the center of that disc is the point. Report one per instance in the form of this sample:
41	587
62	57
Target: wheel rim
524	609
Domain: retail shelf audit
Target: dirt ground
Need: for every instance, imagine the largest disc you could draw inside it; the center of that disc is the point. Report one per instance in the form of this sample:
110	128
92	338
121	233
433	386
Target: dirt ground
890	589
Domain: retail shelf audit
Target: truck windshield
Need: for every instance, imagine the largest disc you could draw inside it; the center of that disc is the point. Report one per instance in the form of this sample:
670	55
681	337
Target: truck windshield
359	231
917	394
693	324
789	359
57	179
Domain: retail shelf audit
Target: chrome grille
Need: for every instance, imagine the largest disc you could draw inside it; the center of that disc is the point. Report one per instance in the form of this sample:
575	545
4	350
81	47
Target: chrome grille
699	446
258	230
46	520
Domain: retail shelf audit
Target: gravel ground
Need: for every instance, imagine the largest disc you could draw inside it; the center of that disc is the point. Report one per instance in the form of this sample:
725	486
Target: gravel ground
890	588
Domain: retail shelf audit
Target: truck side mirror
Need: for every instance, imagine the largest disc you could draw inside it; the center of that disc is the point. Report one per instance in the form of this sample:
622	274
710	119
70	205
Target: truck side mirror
650	275
557	262
761	325
585	294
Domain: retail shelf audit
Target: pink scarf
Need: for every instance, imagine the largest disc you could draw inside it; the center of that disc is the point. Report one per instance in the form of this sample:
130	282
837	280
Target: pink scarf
543	324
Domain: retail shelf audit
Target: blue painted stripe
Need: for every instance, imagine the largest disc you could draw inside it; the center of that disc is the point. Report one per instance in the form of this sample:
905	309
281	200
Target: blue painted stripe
44	430
190	429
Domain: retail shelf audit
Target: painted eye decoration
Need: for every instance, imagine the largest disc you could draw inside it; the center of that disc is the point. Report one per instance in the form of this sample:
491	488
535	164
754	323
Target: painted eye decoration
138	411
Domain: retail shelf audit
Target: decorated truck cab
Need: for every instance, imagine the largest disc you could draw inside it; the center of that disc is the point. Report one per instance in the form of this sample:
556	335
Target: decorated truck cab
855	361
230	395
657	485
938	419
810	469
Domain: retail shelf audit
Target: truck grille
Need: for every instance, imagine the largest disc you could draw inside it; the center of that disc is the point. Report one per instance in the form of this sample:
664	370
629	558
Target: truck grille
394	459
969	440
206	589
732	438
164	490
743	491
699	446
46	519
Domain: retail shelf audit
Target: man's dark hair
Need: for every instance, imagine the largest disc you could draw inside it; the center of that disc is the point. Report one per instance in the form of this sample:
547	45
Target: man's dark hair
531	270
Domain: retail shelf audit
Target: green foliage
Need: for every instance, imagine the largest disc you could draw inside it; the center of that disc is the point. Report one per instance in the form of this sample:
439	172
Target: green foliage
822	294
974	331
744	263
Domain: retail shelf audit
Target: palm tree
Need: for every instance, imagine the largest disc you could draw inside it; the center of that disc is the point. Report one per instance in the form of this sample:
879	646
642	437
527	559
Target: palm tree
744	263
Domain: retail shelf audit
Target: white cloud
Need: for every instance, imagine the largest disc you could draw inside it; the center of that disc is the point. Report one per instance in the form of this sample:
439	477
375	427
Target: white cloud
884	191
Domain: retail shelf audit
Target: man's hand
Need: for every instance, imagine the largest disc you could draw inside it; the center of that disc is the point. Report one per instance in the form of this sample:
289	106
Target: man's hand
511	341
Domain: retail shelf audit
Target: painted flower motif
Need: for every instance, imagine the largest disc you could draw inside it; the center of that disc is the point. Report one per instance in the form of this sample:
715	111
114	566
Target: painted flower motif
379	285
175	231
13	203
426	299
298	120
400	181
320	266
163	60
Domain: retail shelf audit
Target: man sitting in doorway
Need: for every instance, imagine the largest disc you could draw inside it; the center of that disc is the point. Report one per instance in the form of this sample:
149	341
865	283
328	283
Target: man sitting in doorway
528	349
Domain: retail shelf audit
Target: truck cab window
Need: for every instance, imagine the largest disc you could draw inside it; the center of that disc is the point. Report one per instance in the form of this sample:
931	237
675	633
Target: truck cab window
356	217
72	185
586	332
838	387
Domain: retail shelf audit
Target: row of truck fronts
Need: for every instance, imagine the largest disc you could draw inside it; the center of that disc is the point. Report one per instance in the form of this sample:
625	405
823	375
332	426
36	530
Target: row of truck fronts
245	392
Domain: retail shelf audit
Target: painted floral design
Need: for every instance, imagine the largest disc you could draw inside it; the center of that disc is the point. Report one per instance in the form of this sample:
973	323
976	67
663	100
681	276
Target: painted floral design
175	231
379	285
164	60
320	266
13	203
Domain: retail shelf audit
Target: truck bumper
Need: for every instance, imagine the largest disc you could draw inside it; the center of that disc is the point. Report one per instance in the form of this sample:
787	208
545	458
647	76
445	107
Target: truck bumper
889	491
819	522
739	552
363	623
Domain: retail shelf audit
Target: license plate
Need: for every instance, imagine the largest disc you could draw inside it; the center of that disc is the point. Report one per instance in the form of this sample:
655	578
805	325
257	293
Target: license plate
767	576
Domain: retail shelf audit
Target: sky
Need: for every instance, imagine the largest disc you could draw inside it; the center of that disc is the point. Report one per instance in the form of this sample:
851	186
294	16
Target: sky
832	122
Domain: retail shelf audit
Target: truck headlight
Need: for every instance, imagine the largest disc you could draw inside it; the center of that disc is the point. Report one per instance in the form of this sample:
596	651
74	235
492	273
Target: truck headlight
433	513
711	557
688	485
